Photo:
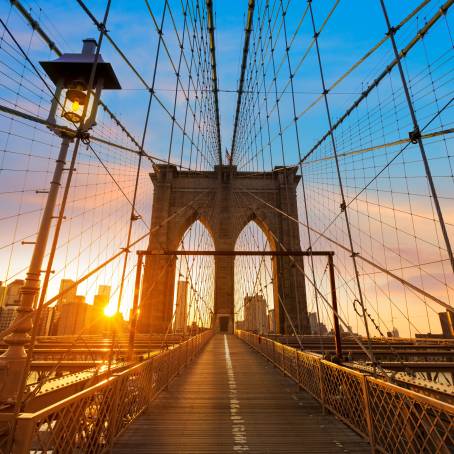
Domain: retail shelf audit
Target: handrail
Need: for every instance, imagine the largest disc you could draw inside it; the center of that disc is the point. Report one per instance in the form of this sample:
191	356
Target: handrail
391	418
92	419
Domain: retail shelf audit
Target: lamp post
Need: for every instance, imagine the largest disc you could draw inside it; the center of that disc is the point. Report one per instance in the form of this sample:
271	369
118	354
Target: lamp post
73	79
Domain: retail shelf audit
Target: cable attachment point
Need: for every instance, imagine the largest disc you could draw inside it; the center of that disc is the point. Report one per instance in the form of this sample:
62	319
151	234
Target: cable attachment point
414	135
392	31
102	28
84	137
135	217
369	316
343	206
355	307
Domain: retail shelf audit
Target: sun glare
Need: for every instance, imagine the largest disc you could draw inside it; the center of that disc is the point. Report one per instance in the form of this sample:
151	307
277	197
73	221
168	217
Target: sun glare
109	311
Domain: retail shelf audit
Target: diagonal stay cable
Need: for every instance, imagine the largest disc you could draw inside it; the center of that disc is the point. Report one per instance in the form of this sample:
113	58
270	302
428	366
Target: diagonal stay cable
359	256
130	65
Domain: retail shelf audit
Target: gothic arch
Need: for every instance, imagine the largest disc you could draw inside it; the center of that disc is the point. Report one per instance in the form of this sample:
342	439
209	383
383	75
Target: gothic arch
263	225
182	227
194	277
224	201
255	296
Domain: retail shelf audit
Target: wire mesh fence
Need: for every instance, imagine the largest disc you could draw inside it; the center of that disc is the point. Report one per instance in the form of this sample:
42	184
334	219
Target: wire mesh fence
92	419
392	418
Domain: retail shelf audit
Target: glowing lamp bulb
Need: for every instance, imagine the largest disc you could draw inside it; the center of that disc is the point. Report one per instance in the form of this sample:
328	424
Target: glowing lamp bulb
76	98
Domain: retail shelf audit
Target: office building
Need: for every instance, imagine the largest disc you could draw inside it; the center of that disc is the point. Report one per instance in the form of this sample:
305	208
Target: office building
72	316
7	315
44	323
272	321
96	321
12	295
255	314
11	301
181	308
317	328
70	295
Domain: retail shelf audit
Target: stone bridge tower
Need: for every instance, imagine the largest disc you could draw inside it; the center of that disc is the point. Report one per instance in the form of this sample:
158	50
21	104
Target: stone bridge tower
221	200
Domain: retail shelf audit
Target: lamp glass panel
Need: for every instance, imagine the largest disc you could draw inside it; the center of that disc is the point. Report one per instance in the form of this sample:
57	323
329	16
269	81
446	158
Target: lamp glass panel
73	105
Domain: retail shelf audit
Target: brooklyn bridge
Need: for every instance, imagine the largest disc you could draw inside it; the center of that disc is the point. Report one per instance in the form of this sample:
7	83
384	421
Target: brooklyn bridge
226	226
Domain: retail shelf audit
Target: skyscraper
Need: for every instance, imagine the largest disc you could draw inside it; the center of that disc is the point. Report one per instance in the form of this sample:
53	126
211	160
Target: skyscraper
70	294
255	314
181	309
12	296
7	316
96	321
72	316
271	321
104	290
11	301
316	327
45	321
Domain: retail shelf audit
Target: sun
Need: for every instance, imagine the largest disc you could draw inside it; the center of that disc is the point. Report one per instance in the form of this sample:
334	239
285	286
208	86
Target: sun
109	311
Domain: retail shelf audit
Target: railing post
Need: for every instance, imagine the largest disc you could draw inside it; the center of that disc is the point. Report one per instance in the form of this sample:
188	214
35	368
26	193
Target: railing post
332	283
135	308
169	367
370	429
187	353
297	367
282	360
322	387
154	385
23	436
114	412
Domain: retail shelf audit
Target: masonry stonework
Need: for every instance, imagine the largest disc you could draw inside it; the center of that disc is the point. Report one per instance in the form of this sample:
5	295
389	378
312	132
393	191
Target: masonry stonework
223	201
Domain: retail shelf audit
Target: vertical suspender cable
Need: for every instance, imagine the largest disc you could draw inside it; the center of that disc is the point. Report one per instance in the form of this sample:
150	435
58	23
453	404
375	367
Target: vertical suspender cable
247	36
214	76
341	186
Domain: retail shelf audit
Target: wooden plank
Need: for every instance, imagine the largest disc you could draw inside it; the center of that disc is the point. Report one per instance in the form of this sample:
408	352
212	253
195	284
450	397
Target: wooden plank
214	407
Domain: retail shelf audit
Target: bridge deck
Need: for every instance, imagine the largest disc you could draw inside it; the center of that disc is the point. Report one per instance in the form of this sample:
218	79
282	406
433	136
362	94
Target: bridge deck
231	400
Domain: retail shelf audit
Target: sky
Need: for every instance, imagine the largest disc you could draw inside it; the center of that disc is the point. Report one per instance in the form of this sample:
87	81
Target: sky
393	220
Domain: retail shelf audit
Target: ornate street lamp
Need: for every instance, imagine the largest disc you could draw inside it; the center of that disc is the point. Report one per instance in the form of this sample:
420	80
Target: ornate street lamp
74	76
71	75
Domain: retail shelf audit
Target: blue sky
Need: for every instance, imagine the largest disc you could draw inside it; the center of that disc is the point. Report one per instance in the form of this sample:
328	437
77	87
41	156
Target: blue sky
354	27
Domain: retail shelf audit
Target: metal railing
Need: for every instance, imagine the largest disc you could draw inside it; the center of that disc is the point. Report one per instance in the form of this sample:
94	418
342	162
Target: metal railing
393	419
91	420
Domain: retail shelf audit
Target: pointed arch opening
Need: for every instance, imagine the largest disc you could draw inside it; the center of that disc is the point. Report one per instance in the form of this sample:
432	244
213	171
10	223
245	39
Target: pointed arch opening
254	282
194	281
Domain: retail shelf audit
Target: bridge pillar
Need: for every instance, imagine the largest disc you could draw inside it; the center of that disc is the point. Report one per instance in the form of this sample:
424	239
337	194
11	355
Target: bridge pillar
159	271
224	293
224	200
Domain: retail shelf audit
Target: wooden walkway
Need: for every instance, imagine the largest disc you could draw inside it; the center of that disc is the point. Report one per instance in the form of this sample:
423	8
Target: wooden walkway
232	400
